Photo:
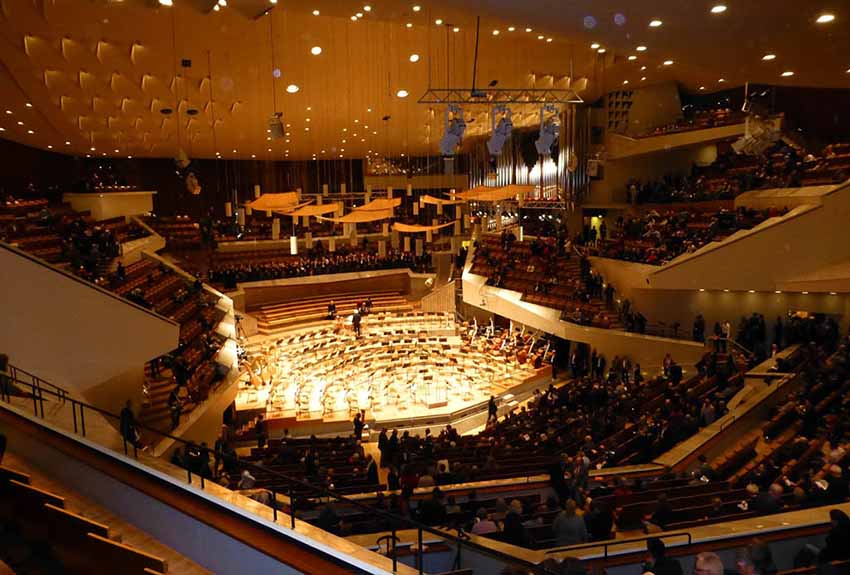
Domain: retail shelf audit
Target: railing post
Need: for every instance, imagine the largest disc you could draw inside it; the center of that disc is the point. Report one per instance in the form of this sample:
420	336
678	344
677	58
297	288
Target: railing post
291	508
274	504
395	555
201	475
124	439
83	418
189	471
421	553
74	414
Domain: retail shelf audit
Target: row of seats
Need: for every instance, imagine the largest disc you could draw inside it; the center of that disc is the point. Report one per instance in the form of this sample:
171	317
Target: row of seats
38	519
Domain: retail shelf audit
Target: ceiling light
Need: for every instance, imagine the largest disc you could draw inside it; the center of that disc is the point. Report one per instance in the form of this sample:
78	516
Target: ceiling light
165	2
401	93
668	62
495	32
438	22
601	51
414	58
28	105
309	108
511	28
20	123
116	151
234	151
307	119
528	29
316	12
455	29
269	150
272	1
594	46
409	25
8	111
769	57
719	9
92	149
787	74
253	155
702	87
307	129
632	58
540	37
367	8
655	23
643	78
354	18
848	71
642	68
825	18
417	8
30	132
359	14
292	88
548	39
625	82
222	3
641	48
316	50
721	80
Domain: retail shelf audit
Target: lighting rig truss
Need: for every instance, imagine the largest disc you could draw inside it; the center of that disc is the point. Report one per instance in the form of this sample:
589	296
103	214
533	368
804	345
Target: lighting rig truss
463	96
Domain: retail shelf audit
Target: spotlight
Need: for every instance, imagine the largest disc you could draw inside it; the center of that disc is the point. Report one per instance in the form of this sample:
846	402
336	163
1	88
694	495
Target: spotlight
501	130
548	130
455	127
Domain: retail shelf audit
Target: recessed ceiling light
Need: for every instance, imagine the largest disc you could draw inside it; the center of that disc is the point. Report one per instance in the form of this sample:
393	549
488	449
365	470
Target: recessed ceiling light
594	46
540	36
528	29
438	22
165	2
28	105
20	123
316	12
721	80
641	48
354	18
642	68
825	18
848	71
414	58
548	39
409	25
401	93
129	157
272	1
367	8
769	57
2	129
702	87
222	3
455	29
655	23
495	32
601	51
8	111
787	74
625	82
268	149
511	28
292	88
253	155
307	120
632	58
643	78
116	151
234	151
49	147
307	129
417	8
93	149
718	9
668	62
359	14
316	50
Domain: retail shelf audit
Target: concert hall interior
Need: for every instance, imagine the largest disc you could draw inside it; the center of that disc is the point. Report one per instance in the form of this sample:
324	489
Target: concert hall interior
448	287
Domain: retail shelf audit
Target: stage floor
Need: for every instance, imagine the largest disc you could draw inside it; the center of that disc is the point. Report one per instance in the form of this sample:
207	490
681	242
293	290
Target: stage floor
404	369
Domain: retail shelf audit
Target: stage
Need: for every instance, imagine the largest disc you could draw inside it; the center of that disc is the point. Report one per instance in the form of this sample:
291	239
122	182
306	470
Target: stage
405	371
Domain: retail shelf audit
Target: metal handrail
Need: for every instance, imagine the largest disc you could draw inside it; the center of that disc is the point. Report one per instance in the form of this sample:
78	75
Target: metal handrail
38	392
614	542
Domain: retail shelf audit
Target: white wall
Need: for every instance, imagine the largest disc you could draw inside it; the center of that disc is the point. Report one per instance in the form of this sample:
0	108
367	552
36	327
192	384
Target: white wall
70	332
111	204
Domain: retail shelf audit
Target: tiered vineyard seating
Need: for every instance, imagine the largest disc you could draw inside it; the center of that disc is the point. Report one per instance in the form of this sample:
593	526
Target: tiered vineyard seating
274	317
180	233
557	291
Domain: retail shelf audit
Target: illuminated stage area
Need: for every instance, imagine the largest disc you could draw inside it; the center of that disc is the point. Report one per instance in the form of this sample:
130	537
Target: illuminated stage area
402	367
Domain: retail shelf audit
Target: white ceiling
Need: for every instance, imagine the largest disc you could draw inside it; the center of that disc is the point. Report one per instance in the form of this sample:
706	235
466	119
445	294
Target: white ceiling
97	72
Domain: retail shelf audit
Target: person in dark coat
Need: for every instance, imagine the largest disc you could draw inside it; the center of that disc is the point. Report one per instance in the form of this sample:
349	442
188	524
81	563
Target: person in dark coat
492	410
838	540
658	562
